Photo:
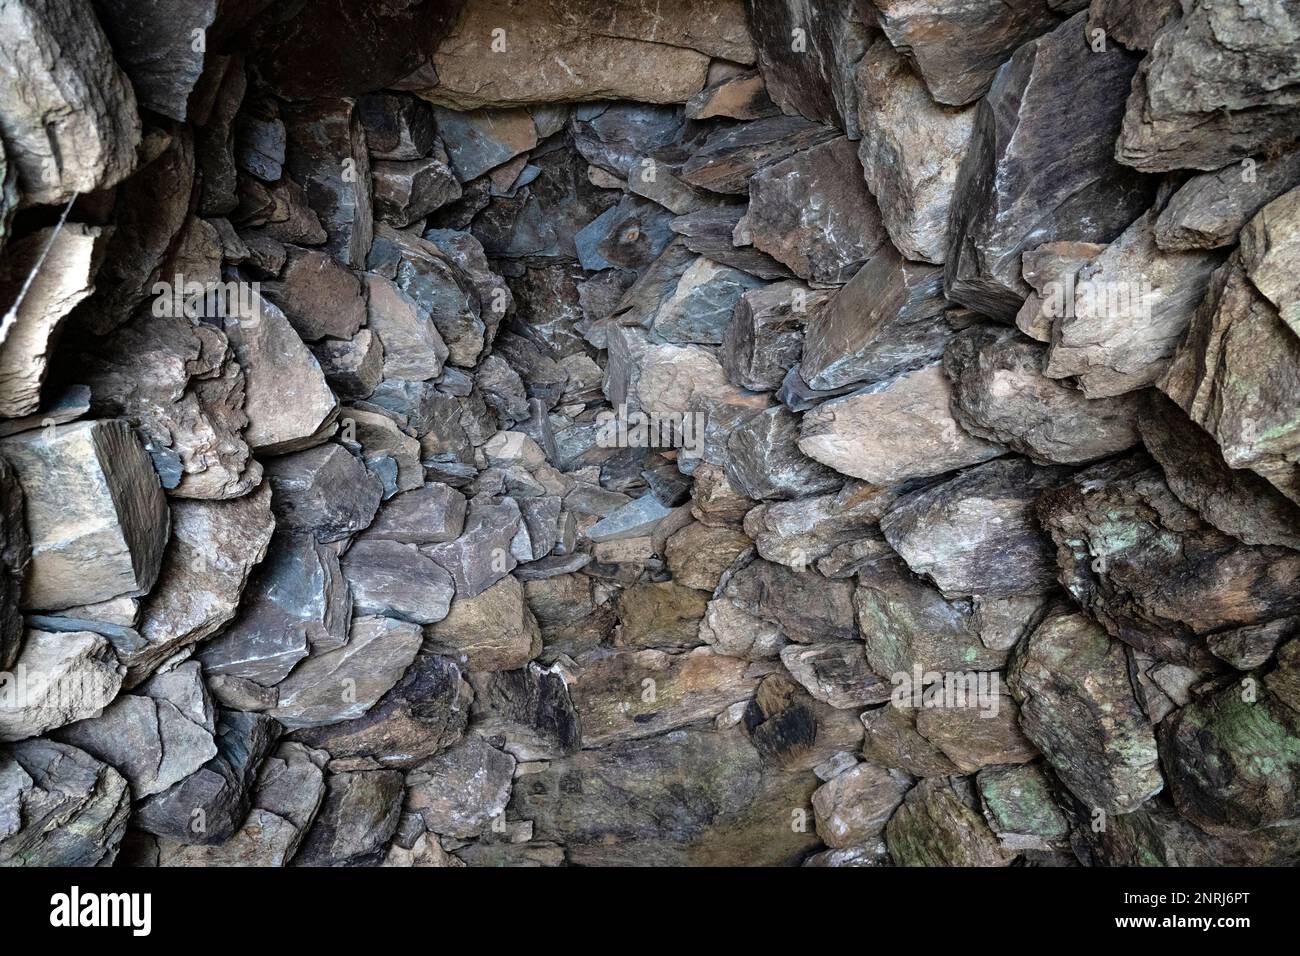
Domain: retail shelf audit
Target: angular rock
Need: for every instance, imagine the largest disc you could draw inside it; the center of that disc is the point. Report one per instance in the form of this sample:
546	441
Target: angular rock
661	615
939	824
1077	706
398	126
57	678
1237	502
836	673
356	820
529	709
1179	119
764	338
910	151
895	430
1055	106
432	514
852	808
424	713
287	399
395	580
1131	305
94	510
687	797
729	158
1019	807
352	367
491	630
213	548
407	192
463	791
981	730
958	50
1154	574
71	124
554	55
318	295
886	320
1000	394
1217	375
344	683
813	212
806	607
700	308
324	490
481	556
210	805
1209	210
413	349
327	155
698	555
1050	269
976	534
61	265
74	809
742	97
178	384
810	72
155	738
765	460
296	600
710	232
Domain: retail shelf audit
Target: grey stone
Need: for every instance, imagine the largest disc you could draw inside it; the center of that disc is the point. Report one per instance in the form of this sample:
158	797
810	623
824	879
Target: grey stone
356	820
324	490
57	678
1055	106
461	792
976	534
95	513
63	67
327	155
393	579
319	296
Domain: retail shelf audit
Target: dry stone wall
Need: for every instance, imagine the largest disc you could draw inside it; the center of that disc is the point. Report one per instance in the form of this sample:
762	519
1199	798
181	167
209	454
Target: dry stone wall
748	433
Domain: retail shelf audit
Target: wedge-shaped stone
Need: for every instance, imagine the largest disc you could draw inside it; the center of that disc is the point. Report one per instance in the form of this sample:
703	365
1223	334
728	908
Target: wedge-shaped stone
729	158
344	683
939	824
413	349
811	72
765	460
296	600
1179	119
1209	210
407	192
213	548
481	556
1050	269
1236	501
813	212
69	115
999	393
327	155
976	534
357	819
1056	105
287	399
958	48
67	259
1241	356
888	319
95	512
910	151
